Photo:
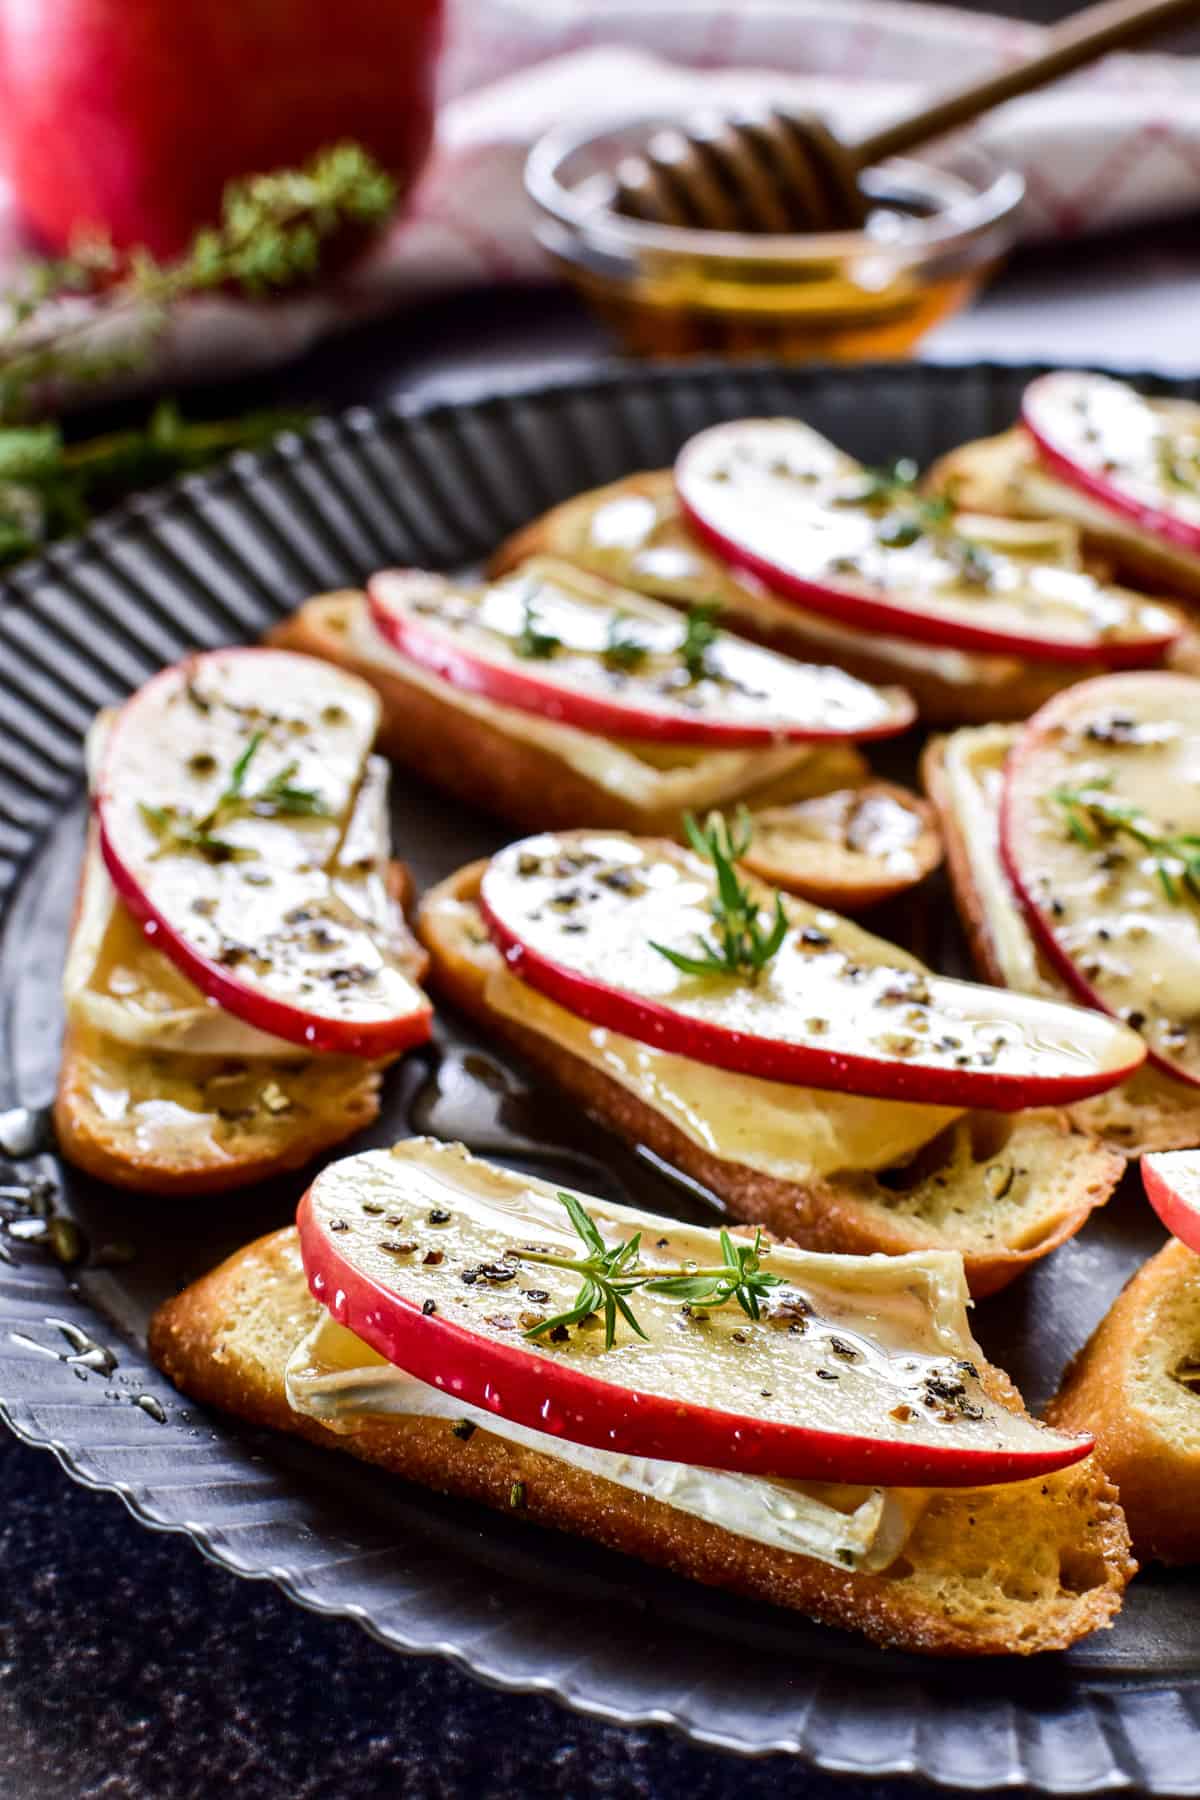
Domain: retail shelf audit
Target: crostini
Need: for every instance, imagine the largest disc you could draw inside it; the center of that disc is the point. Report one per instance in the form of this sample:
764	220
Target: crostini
824	1433
552	699
1122	468
1137	1380
738	1034
240	969
980	617
1083	896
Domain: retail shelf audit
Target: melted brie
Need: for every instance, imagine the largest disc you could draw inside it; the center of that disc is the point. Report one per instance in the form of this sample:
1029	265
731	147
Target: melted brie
789	1133
338	1380
643	777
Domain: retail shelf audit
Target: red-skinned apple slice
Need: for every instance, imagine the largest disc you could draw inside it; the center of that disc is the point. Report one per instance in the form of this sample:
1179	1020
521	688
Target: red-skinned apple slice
417	1252
580	915
775	498
552	641
225	789
1172	1182
1115	909
1138	457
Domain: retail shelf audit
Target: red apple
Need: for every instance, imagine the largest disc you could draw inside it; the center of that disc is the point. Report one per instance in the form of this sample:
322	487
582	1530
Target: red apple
775	498
1100	776
243	900
1139	459
388	1236
131	115
1172	1182
584	917
744	696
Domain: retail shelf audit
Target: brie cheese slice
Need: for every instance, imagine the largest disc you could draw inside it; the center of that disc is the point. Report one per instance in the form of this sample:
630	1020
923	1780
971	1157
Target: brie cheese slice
338	1380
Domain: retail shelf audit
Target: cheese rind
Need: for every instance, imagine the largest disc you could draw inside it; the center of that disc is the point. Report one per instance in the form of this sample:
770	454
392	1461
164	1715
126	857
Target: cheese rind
338	1380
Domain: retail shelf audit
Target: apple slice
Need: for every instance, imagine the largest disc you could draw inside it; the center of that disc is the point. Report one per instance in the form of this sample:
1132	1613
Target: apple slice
1100	836
553	641
225	790
1172	1182
778	500
1138	457
860	1369
581	917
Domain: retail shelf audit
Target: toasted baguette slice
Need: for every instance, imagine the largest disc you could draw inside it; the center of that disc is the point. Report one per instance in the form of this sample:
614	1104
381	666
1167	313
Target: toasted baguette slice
545	776
164	1123
1136	1385
848	850
1031	1566
1002	1190
949	686
1151	1111
1004	475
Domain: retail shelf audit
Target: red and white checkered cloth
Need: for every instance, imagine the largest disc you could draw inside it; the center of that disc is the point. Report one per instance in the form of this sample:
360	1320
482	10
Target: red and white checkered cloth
1114	143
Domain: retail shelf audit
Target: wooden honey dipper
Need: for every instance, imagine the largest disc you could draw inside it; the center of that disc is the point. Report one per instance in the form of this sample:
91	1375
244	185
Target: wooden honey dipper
787	172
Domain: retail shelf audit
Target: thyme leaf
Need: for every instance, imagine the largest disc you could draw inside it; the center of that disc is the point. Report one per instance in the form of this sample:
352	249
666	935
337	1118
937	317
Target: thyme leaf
699	636
610	1276
177	830
270	235
1091	813
741	945
533	642
623	650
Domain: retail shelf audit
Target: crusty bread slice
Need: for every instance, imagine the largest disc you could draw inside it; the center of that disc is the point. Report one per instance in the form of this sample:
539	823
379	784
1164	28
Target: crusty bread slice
1031	1566
843	849
1136	1385
1003	475
1003	1190
473	757
164	1123
1151	1111
949	686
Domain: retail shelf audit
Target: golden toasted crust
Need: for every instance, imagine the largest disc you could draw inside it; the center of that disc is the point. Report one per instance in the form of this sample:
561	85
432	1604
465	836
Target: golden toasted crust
1122	1386
160	1123
1150	1111
1002	475
1027	1567
1004	1191
999	687
480	763
829	869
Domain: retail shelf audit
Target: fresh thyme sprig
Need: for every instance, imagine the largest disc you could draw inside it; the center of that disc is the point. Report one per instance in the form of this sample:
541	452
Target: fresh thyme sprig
611	1275
277	797
700	634
743	946
1091	813
49	488
270	235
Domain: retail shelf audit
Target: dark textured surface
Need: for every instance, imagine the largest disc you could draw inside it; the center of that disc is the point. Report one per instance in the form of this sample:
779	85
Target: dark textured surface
128	1666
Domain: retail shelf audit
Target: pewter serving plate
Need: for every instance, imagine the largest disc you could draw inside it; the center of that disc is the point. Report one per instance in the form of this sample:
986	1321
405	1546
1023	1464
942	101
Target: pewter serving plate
216	559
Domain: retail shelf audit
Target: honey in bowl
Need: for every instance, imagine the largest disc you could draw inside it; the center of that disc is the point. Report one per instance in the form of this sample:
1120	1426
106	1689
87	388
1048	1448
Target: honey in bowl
930	239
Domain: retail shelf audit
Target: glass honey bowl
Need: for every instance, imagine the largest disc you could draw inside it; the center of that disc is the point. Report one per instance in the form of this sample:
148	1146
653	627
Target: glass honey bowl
933	235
